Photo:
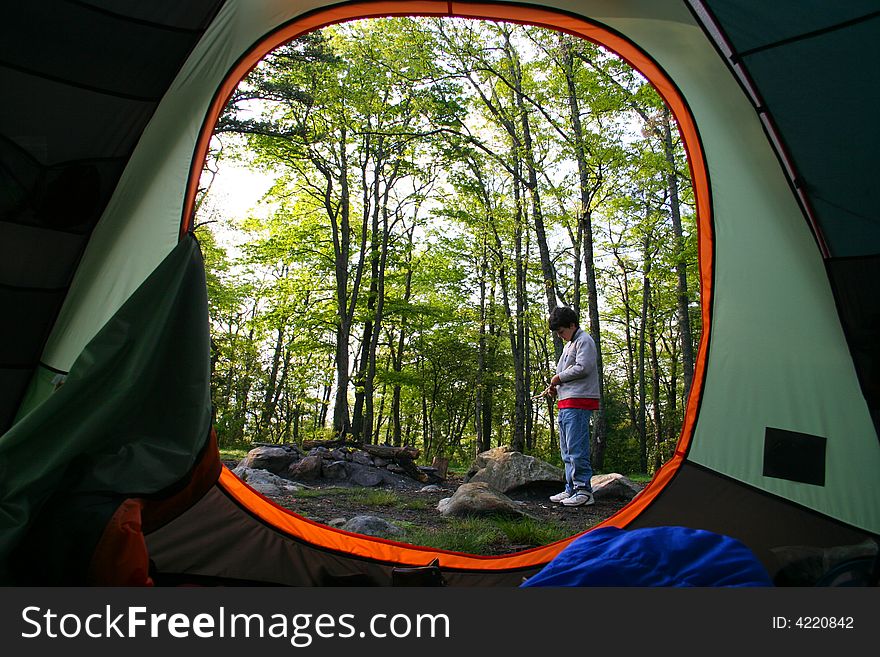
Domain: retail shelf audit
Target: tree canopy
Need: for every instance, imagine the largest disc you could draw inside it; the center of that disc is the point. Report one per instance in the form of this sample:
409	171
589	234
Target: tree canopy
439	186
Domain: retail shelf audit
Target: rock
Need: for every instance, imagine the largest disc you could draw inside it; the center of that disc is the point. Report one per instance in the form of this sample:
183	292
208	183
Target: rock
478	498
266	483
396	469
336	455
364	475
372	526
334	470
614	486
360	456
379	462
504	470
431	488
318	451
336	522
307	469
273	459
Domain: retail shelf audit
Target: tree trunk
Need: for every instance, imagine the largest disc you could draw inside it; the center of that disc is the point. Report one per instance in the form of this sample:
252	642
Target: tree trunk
397	354
684	320
530	181
341	242
655	380
630	360
493	335
642	401
379	311
515	327
585	248
481	354
269	396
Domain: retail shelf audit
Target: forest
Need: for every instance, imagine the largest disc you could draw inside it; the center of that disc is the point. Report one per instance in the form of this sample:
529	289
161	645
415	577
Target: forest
438	186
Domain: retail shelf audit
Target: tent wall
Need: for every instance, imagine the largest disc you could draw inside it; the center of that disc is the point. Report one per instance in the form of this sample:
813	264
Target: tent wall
131	422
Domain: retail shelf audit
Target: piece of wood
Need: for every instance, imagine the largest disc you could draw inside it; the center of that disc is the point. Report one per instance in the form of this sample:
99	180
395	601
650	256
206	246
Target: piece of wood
389	452
441	464
330	444
411	470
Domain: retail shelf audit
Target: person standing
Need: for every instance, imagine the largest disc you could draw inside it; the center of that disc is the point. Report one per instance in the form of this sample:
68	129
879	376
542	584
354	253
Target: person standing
576	387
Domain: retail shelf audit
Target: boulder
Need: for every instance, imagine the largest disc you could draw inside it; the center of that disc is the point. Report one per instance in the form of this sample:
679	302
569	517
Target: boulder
364	475
273	459
360	456
614	486
266	483
334	470
306	469
504	470
478	499
372	526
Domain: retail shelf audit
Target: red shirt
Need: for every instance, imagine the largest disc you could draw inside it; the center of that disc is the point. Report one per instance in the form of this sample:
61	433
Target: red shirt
584	403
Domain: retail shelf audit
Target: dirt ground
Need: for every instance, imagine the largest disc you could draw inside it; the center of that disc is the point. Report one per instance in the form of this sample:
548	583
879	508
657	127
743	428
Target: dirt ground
325	508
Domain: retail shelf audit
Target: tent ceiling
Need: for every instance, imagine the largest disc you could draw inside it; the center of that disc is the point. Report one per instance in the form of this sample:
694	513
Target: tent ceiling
812	65
81	80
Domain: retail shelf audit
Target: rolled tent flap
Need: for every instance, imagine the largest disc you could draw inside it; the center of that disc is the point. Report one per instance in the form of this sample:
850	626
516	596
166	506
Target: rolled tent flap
132	420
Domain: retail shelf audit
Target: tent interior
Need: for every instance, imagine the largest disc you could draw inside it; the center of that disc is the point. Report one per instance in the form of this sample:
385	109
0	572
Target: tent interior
114	476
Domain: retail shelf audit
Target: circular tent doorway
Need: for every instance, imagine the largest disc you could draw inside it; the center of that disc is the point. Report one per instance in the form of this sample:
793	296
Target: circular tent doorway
322	538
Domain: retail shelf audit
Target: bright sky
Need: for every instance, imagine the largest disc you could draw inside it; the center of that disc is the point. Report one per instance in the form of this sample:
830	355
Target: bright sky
236	189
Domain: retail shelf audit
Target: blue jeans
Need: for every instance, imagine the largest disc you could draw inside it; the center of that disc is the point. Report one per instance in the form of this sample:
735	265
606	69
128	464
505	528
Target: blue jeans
574	443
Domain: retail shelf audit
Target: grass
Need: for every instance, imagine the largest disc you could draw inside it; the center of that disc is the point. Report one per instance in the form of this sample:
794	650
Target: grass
367	496
377	497
528	531
485	535
233	453
470	535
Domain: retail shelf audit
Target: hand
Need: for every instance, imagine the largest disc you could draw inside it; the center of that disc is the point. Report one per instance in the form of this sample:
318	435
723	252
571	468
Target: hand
549	391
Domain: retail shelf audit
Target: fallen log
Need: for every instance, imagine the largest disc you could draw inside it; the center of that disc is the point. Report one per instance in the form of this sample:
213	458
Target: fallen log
402	456
330	444
382	451
389	452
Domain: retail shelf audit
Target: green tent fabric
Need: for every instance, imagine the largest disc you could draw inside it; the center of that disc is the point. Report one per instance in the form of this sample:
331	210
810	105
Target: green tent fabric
122	424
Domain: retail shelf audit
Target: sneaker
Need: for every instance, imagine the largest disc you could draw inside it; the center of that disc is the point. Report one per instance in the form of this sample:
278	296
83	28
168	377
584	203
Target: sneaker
564	495
579	498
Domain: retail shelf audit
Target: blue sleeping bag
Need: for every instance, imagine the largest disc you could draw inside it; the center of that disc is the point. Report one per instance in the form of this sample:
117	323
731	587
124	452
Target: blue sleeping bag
654	556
